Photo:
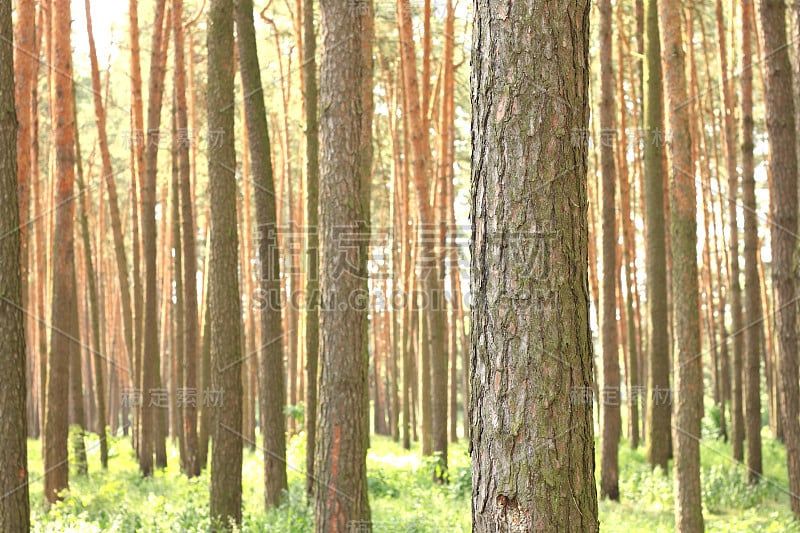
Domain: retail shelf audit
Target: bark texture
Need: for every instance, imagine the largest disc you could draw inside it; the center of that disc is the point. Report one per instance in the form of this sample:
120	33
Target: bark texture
341	502
14	505
532	439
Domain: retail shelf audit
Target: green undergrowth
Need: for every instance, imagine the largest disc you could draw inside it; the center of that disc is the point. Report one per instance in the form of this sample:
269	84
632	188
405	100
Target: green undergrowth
402	495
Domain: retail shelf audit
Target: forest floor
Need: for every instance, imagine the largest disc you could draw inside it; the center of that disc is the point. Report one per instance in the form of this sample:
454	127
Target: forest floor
402	496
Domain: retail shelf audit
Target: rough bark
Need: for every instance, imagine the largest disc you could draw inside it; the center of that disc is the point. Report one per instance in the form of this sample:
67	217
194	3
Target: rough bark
14	506
341	502
531	373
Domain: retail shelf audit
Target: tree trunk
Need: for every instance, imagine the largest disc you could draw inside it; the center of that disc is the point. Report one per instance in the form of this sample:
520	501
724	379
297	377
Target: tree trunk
346	160
783	213
150	366
610	421
657	427
530	336
190	332
688	364
312	222
224	300
752	381
273	425
434	311
14	506
56	467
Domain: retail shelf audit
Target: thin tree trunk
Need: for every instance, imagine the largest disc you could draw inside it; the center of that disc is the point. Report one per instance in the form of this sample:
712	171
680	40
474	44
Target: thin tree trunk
431	281
688	364
312	221
190	330
657	428
150	367
273	425
610	421
752	381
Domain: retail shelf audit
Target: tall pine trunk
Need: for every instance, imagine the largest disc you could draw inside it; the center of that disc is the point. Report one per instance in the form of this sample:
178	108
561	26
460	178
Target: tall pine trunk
783	213
273	425
341	502
657	428
688	395
14	506
531	340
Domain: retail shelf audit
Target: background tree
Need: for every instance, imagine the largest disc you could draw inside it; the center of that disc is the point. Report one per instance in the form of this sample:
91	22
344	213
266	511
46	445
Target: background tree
312	235
658	412
783	212
56	466
530	337
610	422
683	227
752	284
273	426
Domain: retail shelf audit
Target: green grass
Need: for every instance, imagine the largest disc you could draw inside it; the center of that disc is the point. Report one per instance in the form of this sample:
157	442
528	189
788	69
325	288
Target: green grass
402	496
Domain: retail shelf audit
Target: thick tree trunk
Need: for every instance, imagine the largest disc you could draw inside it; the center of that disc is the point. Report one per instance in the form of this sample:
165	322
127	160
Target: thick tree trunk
783	192
530	319
346	160
224	299
273	425
14	506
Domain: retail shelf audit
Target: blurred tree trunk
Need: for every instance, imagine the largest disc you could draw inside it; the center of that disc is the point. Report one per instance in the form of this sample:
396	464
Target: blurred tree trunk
190	329
609	397
310	97
434	312
688	364
657	427
273	425
752	378
56	457
783	192
151	436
